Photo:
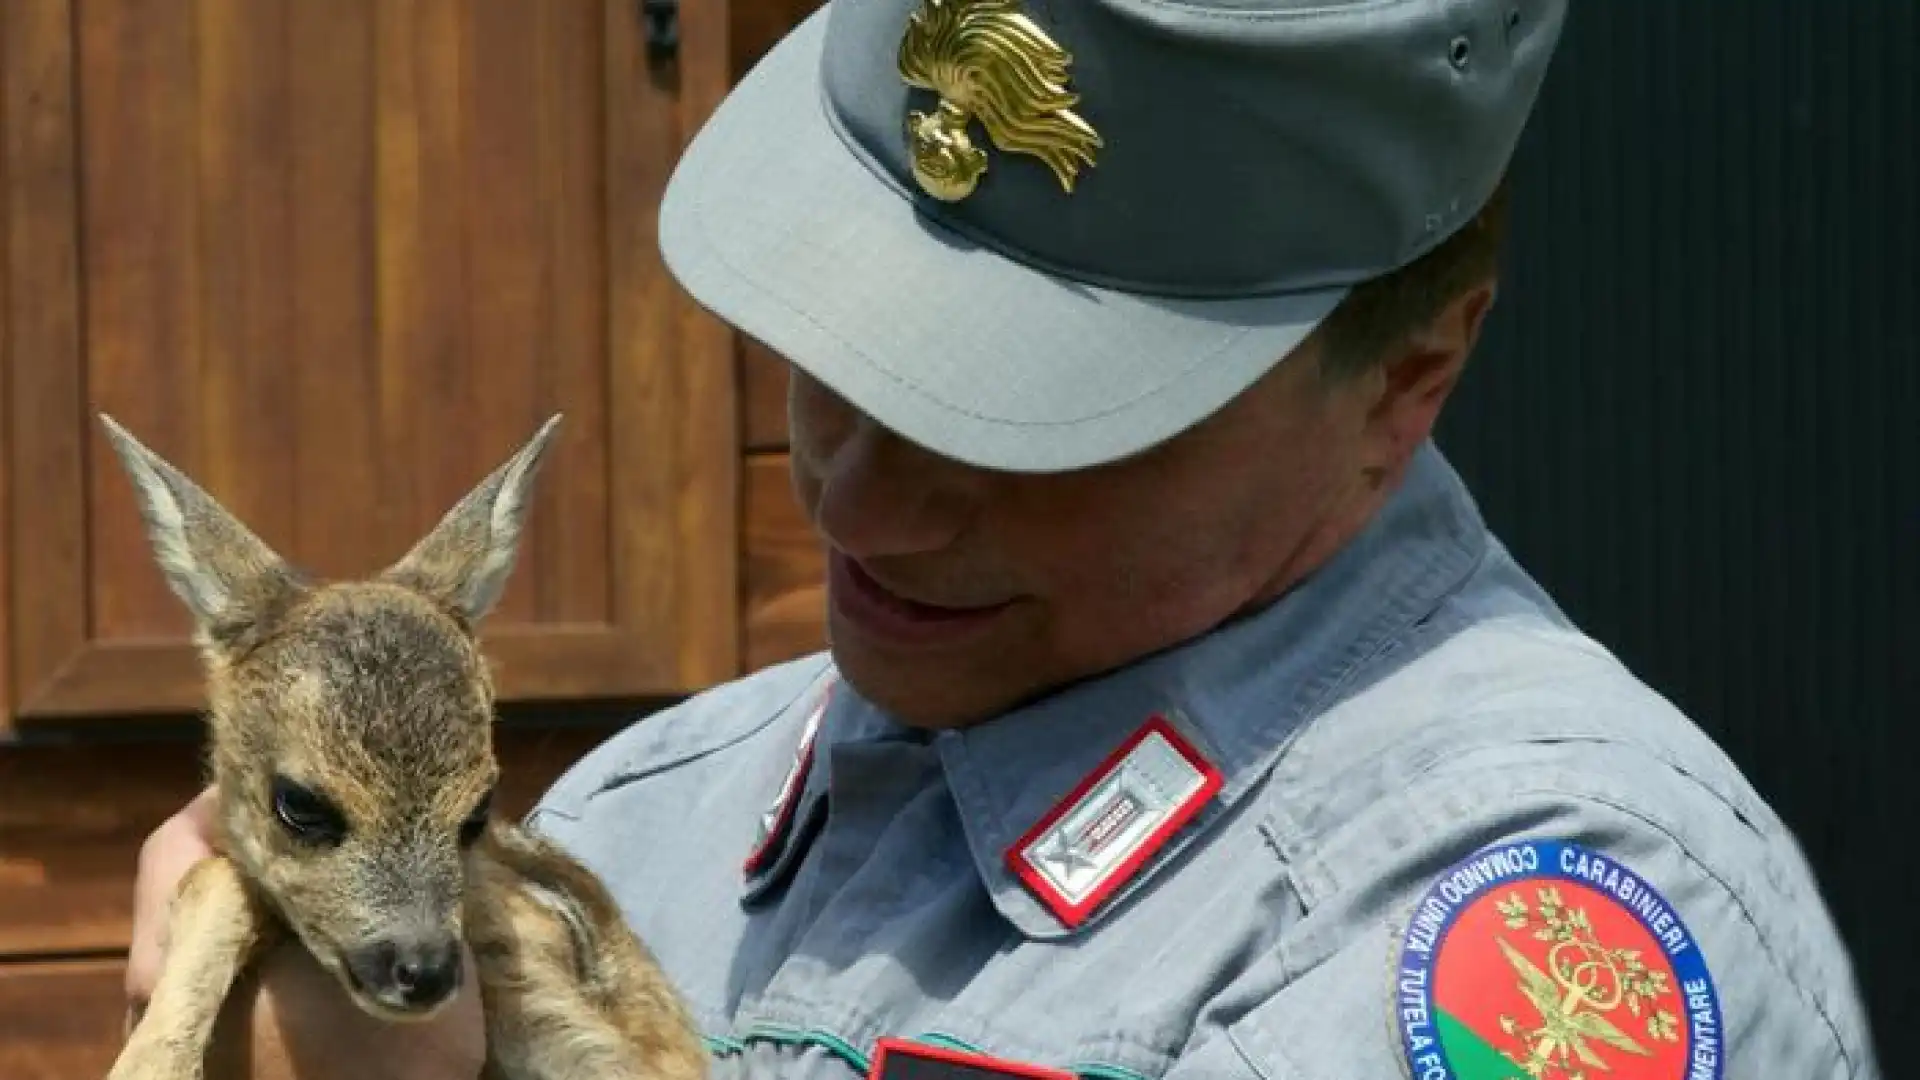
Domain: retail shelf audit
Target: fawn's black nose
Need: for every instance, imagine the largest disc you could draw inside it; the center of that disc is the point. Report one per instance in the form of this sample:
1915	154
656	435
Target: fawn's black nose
408	974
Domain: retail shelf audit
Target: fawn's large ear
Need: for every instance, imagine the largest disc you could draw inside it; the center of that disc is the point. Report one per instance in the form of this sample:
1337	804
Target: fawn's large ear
228	578
465	561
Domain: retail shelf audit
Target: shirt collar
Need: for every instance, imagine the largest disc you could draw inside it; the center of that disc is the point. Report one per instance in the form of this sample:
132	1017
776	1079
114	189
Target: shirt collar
1234	696
833	715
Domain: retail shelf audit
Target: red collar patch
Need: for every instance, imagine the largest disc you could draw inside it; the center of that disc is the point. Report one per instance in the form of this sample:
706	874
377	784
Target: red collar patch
778	816
1113	821
901	1059
1546	959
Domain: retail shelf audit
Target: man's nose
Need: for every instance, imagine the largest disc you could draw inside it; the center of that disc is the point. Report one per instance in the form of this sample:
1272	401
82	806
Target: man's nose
881	495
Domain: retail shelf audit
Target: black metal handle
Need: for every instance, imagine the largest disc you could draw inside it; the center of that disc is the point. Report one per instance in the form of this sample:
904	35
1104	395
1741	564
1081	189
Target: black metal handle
662	21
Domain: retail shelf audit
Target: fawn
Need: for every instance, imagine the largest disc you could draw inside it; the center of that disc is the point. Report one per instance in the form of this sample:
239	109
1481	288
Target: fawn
350	745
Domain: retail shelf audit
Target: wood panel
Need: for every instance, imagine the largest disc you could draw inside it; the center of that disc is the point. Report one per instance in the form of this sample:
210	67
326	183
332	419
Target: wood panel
42	440
339	282
7	120
73	818
60	1021
673	377
784	615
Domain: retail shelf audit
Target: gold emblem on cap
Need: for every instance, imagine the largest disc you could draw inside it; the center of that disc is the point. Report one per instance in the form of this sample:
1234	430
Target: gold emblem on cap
988	62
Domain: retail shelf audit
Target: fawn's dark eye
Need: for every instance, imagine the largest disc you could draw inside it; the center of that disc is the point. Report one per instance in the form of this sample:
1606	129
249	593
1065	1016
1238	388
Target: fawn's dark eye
307	815
476	822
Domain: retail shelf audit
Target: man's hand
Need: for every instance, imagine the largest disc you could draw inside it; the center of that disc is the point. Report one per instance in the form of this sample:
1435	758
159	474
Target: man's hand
166	856
288	1018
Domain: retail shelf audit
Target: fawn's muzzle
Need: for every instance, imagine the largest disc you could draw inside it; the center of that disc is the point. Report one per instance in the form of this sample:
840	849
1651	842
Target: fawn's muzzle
407	974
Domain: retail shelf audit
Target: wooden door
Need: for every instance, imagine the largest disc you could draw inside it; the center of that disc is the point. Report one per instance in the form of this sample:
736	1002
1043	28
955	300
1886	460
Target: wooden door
337	259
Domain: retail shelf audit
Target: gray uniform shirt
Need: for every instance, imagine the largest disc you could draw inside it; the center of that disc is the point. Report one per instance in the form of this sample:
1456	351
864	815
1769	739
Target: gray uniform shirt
1408	822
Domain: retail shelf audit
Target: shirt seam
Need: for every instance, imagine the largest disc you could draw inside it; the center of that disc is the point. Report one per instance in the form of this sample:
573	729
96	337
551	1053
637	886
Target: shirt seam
645	762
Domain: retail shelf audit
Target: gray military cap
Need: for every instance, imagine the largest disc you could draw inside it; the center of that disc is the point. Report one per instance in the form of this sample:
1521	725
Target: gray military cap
1045	234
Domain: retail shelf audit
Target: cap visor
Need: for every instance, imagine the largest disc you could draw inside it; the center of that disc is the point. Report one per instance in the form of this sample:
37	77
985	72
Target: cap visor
776	225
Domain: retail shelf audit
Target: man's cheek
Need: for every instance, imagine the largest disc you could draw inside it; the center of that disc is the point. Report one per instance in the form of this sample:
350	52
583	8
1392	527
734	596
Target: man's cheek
1108	582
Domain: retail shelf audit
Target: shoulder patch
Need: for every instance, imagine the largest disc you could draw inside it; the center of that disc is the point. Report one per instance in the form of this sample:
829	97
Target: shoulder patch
1544	959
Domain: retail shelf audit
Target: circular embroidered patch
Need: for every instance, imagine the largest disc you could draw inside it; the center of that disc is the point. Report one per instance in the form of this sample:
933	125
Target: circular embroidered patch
1544	960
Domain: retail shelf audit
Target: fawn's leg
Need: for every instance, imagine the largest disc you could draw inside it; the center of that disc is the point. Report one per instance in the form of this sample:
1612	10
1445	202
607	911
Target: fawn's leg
214	928
569	991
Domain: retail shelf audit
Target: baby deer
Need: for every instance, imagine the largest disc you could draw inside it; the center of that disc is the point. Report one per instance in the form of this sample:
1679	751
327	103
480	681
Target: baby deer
351	749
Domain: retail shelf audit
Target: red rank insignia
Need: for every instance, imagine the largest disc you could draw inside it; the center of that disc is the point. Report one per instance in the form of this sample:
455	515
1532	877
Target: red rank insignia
1109	825
902	1059
779	813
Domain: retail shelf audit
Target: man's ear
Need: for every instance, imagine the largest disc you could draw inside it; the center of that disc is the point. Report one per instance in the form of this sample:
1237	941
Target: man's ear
231	582
465	561
1422	371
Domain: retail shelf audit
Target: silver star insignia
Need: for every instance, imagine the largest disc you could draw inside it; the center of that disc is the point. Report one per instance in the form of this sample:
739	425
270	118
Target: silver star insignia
1064	856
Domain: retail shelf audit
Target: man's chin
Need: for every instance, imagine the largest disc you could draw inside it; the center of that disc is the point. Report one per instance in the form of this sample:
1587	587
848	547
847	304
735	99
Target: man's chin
922	693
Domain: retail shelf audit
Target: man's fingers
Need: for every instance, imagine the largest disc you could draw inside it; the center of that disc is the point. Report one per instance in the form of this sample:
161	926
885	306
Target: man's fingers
165	857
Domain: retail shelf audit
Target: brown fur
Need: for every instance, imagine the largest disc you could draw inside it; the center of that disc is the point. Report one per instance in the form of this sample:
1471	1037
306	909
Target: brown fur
374	696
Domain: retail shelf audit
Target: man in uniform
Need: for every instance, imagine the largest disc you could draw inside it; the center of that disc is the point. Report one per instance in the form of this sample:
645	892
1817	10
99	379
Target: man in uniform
1182	718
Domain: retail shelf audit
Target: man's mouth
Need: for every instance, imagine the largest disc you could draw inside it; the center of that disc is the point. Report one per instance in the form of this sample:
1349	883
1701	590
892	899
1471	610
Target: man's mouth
879	612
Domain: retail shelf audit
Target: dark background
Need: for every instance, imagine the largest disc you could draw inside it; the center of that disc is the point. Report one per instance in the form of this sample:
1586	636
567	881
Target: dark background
1696	417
